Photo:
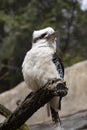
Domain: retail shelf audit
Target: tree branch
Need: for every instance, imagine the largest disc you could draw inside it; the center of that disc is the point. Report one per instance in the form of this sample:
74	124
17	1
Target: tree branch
32	103
4	111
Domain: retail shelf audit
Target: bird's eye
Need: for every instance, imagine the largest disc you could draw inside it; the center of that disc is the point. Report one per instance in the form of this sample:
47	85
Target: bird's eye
38	38
43	35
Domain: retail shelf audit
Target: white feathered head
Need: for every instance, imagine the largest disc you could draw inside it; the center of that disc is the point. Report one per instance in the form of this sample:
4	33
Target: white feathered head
46	35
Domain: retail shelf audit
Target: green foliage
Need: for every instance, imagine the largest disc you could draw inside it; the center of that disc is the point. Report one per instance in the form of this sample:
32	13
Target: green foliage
18	19
24	127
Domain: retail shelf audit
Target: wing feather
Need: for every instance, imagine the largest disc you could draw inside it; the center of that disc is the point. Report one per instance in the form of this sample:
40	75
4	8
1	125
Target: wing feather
59	65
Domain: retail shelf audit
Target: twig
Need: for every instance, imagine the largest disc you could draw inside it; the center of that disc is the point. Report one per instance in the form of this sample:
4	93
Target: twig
4	111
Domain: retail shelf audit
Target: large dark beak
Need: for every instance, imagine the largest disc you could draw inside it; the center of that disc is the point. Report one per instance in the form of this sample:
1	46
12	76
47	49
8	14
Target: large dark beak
52	36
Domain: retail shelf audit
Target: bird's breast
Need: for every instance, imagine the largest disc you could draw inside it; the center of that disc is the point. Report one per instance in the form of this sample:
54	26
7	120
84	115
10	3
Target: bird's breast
38	67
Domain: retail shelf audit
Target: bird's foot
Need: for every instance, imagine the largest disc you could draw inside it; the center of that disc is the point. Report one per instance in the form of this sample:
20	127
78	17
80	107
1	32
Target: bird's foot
52	81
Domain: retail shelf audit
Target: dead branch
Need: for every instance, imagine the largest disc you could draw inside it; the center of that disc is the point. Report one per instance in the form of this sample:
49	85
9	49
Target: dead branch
4	111
32	103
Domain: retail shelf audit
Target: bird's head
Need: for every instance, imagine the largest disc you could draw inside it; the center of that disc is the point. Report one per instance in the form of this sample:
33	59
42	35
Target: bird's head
45	36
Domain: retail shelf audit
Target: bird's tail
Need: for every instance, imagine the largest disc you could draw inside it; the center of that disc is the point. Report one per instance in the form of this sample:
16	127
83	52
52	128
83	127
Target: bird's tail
52	109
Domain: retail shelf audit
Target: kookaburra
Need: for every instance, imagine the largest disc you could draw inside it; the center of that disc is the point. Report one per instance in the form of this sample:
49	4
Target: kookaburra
41	64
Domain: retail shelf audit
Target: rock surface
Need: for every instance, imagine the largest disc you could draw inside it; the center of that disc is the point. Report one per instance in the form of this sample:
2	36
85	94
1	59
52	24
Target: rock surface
76	121
76	78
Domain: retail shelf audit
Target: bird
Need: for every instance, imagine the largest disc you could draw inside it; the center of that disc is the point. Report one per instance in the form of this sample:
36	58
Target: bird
42	64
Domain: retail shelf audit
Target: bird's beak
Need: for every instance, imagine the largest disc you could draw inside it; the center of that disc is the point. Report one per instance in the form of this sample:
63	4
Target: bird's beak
52	36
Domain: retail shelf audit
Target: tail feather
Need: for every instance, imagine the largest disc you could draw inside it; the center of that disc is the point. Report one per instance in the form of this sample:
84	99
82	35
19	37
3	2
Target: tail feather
55	116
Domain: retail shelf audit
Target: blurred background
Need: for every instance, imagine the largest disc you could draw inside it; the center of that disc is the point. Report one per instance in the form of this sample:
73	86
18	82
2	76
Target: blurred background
19	18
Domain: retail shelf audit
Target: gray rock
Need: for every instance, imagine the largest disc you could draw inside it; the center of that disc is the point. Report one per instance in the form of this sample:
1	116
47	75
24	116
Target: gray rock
76	121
